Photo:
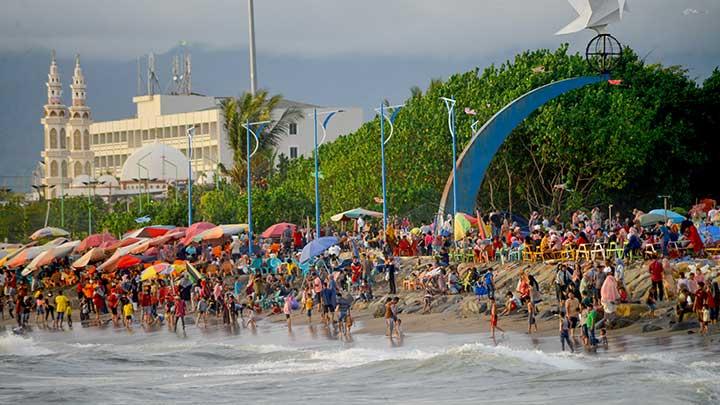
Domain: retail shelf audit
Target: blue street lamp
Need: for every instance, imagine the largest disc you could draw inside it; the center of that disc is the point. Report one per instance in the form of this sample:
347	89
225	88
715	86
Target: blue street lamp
325	122
190	134
450	105
391	119
249	155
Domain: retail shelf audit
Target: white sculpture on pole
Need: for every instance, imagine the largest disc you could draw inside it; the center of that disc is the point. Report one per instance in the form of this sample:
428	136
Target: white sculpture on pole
595	15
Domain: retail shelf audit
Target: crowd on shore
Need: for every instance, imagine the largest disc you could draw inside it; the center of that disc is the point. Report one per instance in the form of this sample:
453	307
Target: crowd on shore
218	282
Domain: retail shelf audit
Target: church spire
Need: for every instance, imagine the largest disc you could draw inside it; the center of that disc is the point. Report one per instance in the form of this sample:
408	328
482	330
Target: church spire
54	87
78	85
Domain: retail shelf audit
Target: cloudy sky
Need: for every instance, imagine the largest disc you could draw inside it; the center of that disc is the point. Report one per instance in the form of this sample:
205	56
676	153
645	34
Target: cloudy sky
312	28
328	52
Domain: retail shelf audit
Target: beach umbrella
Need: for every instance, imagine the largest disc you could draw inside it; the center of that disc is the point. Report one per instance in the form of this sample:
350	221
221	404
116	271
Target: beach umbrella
462	226
220	231
154	270
416	231
121	244
91	256
111	263
317	247
46	257
127	261
154	242
659	215
277	230
48	232
355	214
194	229
26	255
94	241
193	273
14	252
149	231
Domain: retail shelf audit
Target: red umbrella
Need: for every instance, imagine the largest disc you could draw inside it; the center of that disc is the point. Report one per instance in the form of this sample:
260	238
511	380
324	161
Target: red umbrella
95	240
121	243
276	231
149	231
128	261
194	230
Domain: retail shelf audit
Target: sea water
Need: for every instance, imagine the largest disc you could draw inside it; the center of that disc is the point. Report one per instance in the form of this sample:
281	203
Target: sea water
312	365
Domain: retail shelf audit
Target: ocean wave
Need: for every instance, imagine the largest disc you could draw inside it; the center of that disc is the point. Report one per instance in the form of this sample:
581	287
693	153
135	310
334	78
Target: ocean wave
16	345
561	361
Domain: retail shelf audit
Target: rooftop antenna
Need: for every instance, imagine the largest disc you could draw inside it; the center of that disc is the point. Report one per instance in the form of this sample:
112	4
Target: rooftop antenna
188	75
152	82
139	90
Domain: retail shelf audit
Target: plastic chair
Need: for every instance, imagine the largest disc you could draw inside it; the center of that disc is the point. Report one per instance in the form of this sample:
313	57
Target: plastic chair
614	250
581	251
598	249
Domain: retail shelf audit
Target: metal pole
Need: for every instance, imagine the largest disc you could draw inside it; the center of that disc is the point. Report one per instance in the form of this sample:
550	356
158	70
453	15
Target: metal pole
190	176
89	214
454	151
249	185
317	185
382	163
62	203
253	67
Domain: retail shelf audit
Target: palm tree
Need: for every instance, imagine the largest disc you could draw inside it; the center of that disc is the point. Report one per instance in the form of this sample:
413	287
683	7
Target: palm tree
237	111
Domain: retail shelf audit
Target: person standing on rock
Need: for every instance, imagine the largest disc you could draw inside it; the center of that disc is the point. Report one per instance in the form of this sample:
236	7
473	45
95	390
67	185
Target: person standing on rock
656	276
390	274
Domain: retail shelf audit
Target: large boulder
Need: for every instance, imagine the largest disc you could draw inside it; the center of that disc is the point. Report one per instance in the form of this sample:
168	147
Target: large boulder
649	327
632	311
685	325
471	307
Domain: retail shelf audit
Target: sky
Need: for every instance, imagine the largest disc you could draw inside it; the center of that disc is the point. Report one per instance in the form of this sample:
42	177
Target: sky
346	52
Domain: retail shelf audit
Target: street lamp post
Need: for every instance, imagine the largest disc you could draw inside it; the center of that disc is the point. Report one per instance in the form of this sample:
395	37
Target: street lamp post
395	109
329	115
190	134
91	184
450	105
176	174
248	156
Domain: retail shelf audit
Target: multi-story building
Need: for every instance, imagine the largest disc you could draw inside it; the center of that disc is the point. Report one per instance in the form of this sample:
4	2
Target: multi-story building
149	151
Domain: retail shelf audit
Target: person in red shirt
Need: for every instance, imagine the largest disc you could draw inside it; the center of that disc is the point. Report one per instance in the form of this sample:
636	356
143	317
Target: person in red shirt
112	302
656	276
99	302
297	239
180	312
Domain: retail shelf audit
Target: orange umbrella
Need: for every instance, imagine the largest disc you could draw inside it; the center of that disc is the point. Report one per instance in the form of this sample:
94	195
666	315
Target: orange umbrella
46	257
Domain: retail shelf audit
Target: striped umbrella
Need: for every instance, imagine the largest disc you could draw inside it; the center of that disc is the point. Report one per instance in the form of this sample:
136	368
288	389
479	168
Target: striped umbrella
48	232
220	231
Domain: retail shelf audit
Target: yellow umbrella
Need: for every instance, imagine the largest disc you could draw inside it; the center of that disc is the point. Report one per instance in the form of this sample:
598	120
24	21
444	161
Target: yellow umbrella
148	273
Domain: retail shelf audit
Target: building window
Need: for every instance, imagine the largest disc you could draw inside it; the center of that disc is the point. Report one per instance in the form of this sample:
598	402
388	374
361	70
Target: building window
123	136
293	152
144	135
95	139
293	129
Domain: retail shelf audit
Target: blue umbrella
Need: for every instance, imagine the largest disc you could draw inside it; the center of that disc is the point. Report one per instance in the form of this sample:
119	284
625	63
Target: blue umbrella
317	247
655	216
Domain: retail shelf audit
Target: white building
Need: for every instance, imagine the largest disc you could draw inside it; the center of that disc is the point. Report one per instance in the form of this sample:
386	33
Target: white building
149	151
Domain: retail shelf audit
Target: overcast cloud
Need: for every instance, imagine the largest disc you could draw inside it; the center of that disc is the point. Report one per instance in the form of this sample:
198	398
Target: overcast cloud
123	29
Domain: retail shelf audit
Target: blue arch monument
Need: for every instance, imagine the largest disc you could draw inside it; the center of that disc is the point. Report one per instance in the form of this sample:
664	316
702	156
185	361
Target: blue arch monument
477	155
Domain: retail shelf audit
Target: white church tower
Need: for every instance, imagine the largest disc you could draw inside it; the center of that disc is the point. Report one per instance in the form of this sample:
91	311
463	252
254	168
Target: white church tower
55	119
78	127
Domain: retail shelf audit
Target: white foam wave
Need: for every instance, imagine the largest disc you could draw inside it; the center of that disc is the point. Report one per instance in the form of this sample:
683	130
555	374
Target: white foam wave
11	344
560	361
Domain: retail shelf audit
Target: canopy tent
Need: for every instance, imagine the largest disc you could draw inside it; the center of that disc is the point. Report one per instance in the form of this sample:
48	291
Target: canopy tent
317	247
220	231
276	231
660	215
104	239
355	214
48	232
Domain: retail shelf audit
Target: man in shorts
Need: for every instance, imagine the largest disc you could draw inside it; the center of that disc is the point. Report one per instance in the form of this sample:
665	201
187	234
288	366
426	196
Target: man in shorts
572	309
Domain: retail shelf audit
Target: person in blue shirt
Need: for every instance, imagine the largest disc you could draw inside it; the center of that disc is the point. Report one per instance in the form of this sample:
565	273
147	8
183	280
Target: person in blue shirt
665	233
489	280
237	287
